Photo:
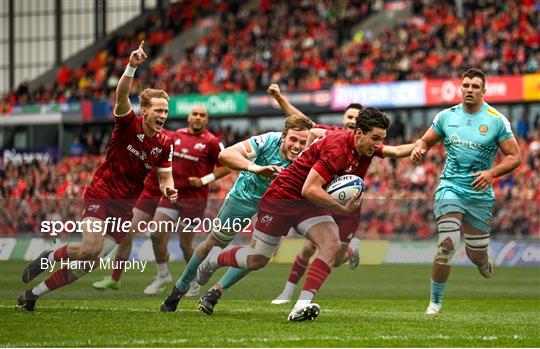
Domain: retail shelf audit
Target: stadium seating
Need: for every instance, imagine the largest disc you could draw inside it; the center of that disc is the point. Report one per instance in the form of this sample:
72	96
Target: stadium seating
309	45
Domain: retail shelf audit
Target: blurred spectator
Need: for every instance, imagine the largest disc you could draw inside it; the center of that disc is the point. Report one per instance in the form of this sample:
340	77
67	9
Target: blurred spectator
76	149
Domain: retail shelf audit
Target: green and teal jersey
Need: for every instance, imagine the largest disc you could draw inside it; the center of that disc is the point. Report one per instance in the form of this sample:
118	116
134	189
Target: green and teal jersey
250	187
471	142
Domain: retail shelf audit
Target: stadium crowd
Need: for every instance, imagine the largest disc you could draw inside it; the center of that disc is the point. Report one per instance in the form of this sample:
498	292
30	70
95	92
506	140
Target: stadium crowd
398	202
308	45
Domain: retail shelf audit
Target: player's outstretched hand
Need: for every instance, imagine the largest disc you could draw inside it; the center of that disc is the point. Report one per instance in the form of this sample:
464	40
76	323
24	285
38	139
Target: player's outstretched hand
269	171
274	91
195	182
138	56
417	155
483	180
171	193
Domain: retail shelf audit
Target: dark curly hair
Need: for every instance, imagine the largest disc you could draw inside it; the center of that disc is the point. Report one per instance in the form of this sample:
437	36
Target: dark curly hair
371	117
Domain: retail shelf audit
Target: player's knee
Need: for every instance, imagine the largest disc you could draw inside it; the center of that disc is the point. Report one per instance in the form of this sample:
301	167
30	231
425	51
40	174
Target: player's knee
476	247
449	235
205	246
341	257
308	250
332	247
88	252
257	261
223	236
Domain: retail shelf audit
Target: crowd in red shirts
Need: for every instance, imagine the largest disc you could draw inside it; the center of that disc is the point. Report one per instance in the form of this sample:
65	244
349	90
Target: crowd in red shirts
398	202
309	45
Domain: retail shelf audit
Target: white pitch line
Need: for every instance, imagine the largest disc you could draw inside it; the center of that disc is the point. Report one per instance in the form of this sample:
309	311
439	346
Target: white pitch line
259	339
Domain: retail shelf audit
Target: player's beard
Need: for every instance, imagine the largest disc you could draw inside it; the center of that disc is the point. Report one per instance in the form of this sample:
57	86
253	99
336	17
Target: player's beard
197	127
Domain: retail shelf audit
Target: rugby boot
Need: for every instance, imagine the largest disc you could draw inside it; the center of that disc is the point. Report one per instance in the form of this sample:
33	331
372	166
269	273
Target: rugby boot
208	301
171	302
107	283
35	267
27	300
303	313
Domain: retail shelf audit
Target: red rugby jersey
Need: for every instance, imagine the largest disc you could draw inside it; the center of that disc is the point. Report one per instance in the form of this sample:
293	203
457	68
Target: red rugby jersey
130	156
331	156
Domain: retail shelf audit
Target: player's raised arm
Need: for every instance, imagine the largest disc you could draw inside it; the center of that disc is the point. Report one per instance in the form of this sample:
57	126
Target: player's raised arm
238	157
284	104
428	140
123	105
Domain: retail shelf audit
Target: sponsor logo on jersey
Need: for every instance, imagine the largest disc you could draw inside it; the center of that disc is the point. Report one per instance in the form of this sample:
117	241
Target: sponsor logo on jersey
93	208
140	154
140	136
454	139
199	146
155	151
177	142
184	155
483	129
493	112
469	122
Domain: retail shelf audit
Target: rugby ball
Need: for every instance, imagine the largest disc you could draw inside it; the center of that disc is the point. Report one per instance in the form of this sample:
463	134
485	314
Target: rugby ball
345	187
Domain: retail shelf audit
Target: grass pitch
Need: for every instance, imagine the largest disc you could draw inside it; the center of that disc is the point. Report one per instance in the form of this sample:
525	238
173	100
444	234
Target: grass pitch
372	306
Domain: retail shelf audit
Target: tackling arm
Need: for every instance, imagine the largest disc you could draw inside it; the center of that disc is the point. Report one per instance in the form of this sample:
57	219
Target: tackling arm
398	151
237	157
428	140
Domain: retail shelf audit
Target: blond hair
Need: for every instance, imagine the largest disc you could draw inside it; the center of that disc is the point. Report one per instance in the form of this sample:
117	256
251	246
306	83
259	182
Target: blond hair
149	93
297	123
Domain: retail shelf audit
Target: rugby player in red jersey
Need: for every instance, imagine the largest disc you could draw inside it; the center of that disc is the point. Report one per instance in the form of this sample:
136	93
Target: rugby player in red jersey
136	147
142	212
348	225
195	165
297	199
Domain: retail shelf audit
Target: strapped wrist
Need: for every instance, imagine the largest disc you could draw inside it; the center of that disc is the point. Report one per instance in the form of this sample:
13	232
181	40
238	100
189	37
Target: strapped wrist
208	178
253	167
130	71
